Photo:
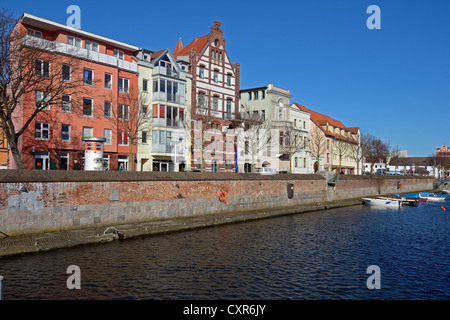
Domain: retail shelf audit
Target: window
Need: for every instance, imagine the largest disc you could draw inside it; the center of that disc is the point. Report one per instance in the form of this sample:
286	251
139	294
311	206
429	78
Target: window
87	107
229	80
145	85
65	132
144	112
249	96
42	100
215	103
172	91
216	76
42	68
35	33
263	115
201	100
228	106
255	94
123	112
41	131
201	72
88	77
107	109
91	45
304	162
144	137
88	132
263	94
296	162
107	135
155	85
108	81
65	103
66	73
73	41
118	54
124	85
122	138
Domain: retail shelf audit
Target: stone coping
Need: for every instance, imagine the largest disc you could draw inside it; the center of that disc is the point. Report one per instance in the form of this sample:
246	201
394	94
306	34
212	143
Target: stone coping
22	176
11	176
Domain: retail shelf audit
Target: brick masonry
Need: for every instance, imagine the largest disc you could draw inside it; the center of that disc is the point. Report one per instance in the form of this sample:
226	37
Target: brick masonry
32	201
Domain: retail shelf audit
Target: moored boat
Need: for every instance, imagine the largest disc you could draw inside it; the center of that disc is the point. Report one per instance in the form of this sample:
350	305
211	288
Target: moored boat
431	197
445	191
384	202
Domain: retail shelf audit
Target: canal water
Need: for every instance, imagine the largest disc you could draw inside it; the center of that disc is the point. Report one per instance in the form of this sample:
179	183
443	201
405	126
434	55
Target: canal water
317	255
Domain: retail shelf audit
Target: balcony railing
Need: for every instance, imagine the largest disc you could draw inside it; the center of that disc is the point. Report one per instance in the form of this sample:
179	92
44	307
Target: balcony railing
169	73
59	47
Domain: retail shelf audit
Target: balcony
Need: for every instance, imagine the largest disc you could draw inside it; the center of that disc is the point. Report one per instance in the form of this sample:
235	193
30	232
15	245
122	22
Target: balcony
163	71
59	47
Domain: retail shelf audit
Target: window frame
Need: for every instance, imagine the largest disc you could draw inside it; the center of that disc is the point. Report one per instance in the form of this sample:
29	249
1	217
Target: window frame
121	83
92	108
41	130
68	132
88	82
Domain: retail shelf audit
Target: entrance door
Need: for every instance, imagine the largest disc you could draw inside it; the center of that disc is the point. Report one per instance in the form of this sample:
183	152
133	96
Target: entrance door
123	163
41	160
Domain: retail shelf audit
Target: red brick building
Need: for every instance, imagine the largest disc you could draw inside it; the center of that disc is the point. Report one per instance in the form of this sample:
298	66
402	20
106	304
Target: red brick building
108	78
215	100
443	151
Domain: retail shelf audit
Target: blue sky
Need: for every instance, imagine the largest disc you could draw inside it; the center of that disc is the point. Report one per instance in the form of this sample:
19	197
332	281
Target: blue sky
393	83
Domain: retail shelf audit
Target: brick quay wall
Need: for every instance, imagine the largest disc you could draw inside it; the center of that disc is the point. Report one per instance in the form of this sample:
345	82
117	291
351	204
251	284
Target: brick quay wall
37	201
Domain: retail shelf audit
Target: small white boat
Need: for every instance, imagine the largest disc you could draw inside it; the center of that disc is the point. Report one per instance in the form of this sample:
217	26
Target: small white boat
431	197
384	202
446	191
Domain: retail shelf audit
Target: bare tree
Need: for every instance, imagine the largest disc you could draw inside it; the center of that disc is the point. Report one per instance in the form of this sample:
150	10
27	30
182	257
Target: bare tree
132	119
356	153
317	143
341	149
204	122
254	133
294	141
32	73
374	149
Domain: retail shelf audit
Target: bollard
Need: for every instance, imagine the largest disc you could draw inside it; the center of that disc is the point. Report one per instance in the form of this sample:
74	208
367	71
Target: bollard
1	288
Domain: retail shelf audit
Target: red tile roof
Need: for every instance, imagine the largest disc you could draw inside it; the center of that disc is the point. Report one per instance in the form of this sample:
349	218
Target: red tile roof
321	120
198	44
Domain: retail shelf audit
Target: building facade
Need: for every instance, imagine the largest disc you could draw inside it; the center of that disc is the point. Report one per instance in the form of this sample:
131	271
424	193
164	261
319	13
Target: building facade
282	140
443	151
164	141
108	82
214	100
340	145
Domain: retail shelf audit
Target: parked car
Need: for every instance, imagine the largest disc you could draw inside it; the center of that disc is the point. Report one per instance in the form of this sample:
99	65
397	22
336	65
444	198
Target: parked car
266	170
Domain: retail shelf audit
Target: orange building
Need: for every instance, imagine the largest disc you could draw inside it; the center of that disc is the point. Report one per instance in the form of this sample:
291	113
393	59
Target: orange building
108	78
3	150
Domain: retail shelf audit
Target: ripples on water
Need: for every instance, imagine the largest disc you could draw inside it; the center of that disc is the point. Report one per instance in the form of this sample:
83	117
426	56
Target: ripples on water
318	255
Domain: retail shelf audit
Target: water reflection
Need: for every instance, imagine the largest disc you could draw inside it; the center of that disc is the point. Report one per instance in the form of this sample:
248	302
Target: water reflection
319	255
